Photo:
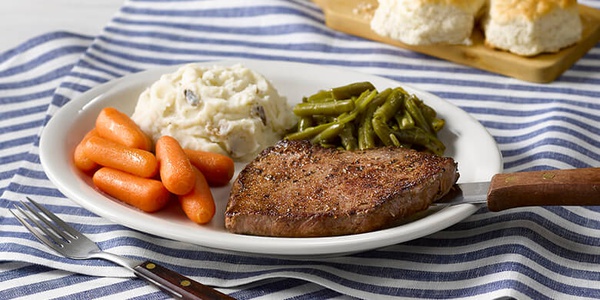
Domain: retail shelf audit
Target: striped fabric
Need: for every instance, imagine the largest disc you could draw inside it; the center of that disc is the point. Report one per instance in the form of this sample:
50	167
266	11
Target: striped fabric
532	253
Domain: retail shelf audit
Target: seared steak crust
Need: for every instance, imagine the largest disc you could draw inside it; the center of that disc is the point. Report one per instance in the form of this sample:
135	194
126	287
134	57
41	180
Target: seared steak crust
296	189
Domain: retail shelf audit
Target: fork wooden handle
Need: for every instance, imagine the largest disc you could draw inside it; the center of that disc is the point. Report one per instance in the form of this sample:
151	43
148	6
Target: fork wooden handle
176	284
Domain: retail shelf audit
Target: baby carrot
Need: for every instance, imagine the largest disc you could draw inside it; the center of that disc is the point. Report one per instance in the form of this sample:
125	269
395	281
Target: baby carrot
111	154
176	171
81	161
118	127
217	168
198	205
146	194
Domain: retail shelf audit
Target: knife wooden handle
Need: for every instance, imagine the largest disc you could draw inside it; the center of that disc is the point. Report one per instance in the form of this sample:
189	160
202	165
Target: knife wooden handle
176	284
573	187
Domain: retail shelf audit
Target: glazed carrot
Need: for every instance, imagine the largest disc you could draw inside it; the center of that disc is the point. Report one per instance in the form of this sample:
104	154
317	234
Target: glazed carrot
176	171
81	161
118	127
111	154
198	205
146	194
217	168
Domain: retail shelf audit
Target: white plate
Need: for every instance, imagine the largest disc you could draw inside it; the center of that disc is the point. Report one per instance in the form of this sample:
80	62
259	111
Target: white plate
467	142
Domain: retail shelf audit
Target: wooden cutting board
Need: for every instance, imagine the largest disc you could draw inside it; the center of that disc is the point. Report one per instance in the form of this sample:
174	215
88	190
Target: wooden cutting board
354	17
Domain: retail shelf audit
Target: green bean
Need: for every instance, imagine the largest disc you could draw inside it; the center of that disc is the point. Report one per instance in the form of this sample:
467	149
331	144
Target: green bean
417	115
394	140
383	132
361	103
397	143
405	121
320	96
348	137
381	97
437	124
364	100
428	112
328	134
309	132
323	108
391	106
357	116
384	113
321	119
351	90
304	123
421	137
366	134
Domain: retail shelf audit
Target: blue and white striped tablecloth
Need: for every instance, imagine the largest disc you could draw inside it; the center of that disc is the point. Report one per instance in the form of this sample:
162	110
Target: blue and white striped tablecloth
529	253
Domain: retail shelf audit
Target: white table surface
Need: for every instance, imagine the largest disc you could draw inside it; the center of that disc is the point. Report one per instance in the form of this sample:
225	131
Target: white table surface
21	20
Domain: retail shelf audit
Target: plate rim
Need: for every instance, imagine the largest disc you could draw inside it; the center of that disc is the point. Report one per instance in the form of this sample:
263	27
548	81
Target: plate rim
336	245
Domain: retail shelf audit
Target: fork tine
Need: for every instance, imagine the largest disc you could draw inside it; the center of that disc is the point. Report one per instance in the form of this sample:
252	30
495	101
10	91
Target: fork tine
54	245
64	227
54	232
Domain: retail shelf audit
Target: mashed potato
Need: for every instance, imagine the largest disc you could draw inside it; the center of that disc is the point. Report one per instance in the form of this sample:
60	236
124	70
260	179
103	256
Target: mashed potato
225	109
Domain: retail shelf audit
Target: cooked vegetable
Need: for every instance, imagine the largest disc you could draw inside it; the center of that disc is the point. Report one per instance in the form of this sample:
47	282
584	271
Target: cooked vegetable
366	133
118	127
347	137
146	194
198	205
351	90
323	108
384	113
217	168
357	116
81	161
417	114
117	156
176	171
130	174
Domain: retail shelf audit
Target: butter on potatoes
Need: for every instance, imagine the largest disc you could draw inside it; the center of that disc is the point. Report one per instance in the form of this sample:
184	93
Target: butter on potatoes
230	110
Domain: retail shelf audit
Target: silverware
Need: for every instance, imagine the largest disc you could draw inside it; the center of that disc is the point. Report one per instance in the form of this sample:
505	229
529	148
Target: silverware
67	241
579	187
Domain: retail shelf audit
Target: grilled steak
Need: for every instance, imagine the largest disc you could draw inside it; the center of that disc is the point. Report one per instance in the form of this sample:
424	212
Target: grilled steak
296	189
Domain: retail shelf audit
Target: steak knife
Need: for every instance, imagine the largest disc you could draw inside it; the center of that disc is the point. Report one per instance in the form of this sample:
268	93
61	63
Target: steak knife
572	187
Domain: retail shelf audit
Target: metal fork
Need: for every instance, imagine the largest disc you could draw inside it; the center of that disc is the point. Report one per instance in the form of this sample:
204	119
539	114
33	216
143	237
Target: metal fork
67	241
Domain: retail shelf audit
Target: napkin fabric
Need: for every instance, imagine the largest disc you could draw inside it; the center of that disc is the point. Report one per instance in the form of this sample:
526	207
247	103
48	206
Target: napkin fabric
536	253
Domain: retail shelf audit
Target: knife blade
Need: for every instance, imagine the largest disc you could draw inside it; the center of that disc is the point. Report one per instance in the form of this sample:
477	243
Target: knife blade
571	187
